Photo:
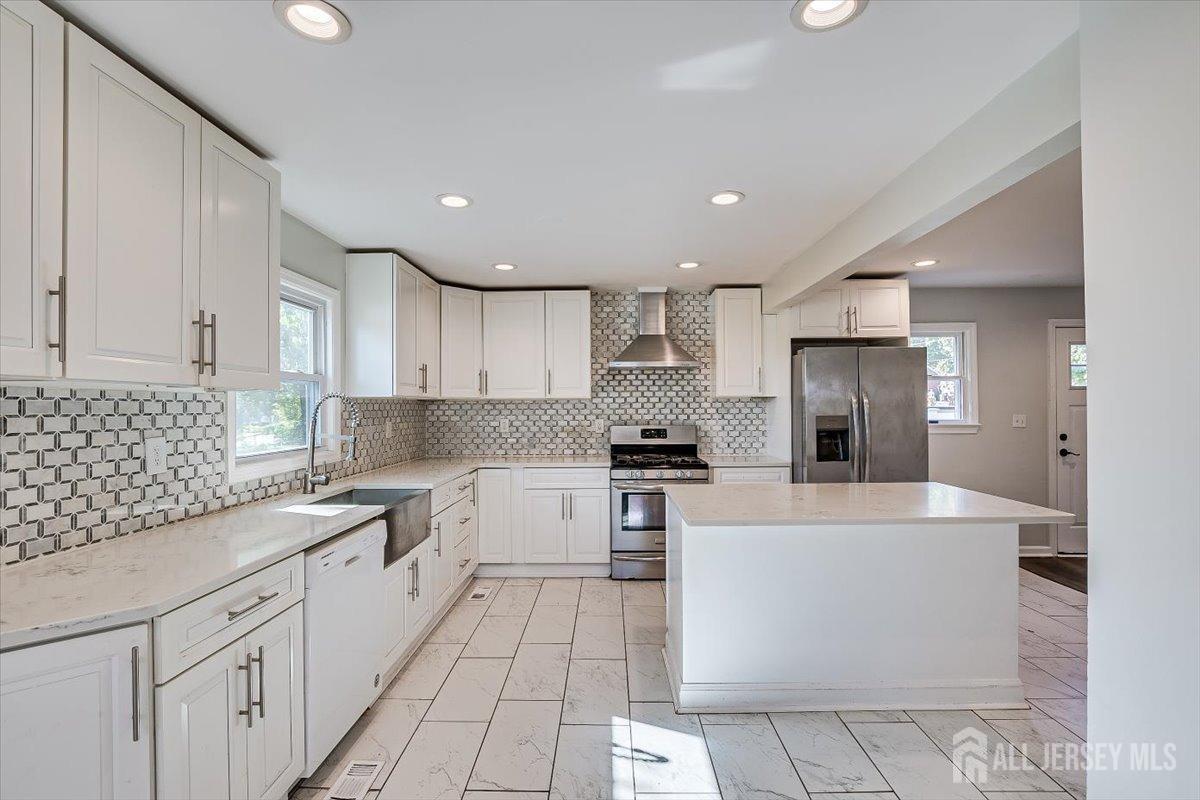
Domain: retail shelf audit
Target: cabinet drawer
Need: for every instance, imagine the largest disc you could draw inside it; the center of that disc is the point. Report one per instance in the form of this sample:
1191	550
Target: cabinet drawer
567	478
190	633
462	519
450	492
752	475
462	558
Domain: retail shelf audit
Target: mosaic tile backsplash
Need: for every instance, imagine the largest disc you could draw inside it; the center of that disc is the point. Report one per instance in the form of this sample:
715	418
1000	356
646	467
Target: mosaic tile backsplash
72	461
639	397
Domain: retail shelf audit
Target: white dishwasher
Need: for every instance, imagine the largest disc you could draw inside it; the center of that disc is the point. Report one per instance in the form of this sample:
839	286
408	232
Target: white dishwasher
343	641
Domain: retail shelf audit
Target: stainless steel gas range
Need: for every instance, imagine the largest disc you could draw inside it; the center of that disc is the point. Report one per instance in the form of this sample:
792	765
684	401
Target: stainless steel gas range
644	458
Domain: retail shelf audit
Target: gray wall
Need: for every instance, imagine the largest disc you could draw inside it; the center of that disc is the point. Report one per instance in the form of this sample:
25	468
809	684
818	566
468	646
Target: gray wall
306	250
1011	326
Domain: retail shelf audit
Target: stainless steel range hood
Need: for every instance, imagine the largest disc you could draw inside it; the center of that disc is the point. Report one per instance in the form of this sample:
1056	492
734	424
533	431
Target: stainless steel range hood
652	349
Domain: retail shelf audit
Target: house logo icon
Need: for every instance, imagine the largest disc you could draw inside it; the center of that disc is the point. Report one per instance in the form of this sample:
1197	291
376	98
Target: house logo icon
970	756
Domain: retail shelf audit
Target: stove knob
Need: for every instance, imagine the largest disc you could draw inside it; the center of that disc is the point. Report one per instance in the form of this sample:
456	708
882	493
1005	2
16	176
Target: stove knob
660	474
687	474
636	474
679	474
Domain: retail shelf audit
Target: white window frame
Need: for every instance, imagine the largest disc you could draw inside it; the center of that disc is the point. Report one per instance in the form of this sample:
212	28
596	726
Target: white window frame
967	336
328	302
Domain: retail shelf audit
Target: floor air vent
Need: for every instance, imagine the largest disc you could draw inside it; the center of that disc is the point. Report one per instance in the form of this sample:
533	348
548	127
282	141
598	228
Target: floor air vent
356	780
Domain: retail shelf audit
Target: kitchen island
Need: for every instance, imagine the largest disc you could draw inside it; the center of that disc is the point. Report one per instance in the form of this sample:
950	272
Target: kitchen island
843	596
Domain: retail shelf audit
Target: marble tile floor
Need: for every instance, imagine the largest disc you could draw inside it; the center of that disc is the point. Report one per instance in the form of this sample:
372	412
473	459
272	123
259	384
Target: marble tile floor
555	689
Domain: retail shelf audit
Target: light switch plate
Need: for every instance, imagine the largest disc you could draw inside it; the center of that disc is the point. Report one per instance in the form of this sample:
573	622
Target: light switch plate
156	455
1018	420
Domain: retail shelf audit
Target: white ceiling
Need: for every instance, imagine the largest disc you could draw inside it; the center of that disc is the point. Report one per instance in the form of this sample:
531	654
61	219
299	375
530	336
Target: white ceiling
588	133
1030	234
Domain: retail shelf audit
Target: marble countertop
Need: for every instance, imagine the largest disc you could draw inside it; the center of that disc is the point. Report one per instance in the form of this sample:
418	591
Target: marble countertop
849	504
761	460
136	577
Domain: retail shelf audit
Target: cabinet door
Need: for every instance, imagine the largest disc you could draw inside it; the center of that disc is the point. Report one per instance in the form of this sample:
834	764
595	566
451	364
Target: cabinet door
826	313
879	308
441	568
546	526
587	526
133	223
31	196
395	597
69	723
752	475
275	741
514	344
462	342
569	344
418	597
429	336
737	342
370	339
494	511
404	331
239	263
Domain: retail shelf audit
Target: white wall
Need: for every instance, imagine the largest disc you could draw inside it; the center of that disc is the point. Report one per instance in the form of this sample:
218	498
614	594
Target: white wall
1141	207
1011	328
306	250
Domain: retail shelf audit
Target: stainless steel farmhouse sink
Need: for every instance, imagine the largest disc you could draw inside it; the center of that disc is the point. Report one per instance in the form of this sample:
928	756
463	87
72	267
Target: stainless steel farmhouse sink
406	513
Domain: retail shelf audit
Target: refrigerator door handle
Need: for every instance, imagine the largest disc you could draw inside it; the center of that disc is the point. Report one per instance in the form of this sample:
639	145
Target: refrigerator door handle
866	469
856	439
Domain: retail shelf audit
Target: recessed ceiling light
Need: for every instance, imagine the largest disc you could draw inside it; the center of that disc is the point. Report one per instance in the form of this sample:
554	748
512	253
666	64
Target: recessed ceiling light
454	200
928	262
825	15
505	267
688	264
726	198
313	19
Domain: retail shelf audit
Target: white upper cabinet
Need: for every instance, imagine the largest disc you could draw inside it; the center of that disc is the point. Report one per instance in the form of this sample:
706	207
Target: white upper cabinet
737	342
462	342
31	195
76	720
239	264
514	345
569	344
133	223
393	334
858	309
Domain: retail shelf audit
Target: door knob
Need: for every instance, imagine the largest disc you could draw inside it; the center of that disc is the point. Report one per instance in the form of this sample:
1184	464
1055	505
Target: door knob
1064	452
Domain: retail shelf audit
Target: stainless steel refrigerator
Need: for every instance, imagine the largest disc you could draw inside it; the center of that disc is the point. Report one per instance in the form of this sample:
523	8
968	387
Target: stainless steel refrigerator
858	415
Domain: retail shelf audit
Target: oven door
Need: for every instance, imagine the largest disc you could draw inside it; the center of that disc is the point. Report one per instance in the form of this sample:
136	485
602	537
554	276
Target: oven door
639	516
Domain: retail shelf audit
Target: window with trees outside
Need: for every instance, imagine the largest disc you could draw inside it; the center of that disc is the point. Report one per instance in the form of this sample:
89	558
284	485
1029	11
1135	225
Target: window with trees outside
951	399
269	428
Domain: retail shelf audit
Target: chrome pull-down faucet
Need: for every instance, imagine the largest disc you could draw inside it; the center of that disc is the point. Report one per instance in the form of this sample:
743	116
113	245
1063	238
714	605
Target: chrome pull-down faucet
311	480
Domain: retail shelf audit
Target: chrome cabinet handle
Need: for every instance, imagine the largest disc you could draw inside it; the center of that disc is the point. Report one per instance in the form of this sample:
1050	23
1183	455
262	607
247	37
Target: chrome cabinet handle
847	321
466	485
866	467
262	598
464	562
856	319
137	710
416	577
61	344
639	558
261	702
481	381
212	355
249	690
856	442
412	577
200	327
463	520
570	506
437	549
660	541
547	383
760	379
485	382
563	498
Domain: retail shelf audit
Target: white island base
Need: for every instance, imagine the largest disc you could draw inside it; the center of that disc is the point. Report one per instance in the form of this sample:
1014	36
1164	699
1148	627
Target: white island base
807	614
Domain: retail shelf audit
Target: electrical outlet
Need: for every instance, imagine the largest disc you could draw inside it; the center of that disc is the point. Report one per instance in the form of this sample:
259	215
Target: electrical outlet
156	455
504	429
1018	420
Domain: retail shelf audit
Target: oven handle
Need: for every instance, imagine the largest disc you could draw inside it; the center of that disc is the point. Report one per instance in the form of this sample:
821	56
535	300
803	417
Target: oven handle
638	558
625	487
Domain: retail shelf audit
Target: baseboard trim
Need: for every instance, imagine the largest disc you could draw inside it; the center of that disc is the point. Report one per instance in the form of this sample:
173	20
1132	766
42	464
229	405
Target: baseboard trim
702	698
1035	551
543	570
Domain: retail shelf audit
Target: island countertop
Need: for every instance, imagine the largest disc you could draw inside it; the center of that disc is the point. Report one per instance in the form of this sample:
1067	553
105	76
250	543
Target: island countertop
849	504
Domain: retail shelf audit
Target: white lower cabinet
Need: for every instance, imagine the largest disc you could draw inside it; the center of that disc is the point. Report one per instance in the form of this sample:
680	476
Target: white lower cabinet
545	526
587	526
494	510
419	596
566	526
232	726
441	555
75	718
407	599
752	475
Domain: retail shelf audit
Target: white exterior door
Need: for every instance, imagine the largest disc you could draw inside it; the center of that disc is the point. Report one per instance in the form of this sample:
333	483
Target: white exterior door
239	264
569	344
429	334
70	727
737	343
404	329
879	308
201	735
31	163
588	533
826	314
133	223
462	342
275	740
545	526
1069	490
514	344
418	596
494	511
